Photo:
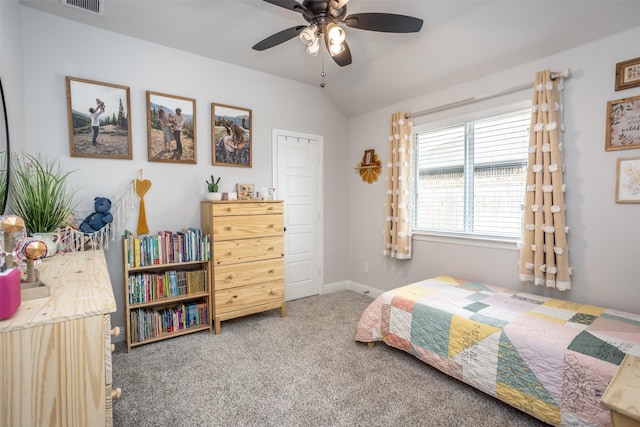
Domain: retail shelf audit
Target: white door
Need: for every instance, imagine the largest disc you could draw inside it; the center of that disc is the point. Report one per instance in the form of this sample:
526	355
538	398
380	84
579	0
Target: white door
297	179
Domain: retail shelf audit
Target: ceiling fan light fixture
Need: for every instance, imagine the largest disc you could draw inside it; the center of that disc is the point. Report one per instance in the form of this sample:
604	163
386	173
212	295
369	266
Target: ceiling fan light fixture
336	48
309	35
314	47
326	23
335	33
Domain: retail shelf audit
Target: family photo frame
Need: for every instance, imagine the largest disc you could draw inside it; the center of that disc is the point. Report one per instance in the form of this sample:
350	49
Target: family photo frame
171	128
628	180
623	124
231	135
98	119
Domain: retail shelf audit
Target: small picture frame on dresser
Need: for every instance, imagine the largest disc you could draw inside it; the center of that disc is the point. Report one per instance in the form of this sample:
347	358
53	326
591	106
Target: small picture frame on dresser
245	191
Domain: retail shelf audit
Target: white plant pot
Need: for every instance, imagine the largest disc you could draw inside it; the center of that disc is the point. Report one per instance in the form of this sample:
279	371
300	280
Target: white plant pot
213	196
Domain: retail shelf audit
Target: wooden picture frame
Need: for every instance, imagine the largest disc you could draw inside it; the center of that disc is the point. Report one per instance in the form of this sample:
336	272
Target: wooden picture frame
628	74
367	159
231	137
628	180
623	124
165	143
245	191
111	139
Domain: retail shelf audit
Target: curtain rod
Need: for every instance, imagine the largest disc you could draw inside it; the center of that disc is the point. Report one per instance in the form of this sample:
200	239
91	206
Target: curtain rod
564	74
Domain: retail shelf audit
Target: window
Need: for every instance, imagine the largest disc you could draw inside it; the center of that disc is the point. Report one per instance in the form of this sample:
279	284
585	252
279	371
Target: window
470	177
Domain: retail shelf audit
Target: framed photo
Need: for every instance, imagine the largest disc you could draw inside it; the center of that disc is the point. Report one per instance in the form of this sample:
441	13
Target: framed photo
171	128
368	157
99	119
245	191
628	74
628	180
623	124
231	135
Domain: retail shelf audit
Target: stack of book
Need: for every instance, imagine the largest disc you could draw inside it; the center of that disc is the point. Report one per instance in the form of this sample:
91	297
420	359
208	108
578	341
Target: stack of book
167	247
152	323
149	286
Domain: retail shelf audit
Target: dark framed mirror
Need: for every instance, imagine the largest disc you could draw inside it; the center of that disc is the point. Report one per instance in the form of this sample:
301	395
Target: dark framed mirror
5	154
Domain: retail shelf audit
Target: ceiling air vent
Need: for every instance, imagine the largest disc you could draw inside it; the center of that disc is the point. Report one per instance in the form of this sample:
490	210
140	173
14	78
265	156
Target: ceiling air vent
93	6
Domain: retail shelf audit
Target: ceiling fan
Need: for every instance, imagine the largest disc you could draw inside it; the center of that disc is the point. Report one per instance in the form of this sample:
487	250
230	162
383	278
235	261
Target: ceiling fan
325	17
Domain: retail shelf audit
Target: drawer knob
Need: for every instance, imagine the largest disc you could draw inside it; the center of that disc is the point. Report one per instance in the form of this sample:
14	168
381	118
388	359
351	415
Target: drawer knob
271	248
230	277
228	209
271	226
115	331
229	253
116	394
271	271
270	208
228	228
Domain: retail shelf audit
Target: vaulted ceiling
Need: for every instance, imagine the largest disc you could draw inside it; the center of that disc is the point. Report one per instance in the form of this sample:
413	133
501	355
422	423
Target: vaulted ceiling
460	40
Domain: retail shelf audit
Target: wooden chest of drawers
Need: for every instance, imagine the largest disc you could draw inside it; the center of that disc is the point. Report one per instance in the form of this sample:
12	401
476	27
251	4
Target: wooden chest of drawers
246	271
55	352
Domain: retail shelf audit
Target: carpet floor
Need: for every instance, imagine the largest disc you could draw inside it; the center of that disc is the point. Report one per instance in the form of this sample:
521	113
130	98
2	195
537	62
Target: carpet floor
302	370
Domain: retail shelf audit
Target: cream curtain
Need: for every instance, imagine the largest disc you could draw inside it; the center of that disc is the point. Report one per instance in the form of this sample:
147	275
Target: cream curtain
544	253
397	233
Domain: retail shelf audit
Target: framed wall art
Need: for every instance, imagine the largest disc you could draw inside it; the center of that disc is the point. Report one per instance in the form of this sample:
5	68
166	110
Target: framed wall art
99	119
628	74
171	128
368	157
623	124
231	136
245	191
628	180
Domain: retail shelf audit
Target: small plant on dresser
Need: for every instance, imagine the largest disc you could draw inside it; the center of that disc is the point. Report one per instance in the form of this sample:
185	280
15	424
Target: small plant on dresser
166	285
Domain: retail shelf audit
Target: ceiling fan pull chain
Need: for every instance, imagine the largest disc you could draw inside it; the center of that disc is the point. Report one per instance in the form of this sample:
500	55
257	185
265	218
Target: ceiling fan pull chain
322	74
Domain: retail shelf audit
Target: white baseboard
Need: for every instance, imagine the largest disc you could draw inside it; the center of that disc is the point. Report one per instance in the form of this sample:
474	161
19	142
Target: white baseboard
348	285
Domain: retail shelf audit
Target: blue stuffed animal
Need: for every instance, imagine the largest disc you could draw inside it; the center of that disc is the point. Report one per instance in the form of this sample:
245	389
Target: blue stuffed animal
98	219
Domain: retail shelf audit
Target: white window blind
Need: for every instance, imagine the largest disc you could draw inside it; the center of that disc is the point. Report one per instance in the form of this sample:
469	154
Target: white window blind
471	177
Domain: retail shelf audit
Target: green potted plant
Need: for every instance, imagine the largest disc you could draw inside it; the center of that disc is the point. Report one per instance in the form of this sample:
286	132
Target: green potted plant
39	194
212	188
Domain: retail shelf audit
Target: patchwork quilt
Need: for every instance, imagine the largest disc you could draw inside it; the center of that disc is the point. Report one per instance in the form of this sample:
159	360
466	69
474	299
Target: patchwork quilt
550	358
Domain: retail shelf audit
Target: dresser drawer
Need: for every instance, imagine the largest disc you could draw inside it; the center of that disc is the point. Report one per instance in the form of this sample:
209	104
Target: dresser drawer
239	227
230	276
233	299
243	250
255	208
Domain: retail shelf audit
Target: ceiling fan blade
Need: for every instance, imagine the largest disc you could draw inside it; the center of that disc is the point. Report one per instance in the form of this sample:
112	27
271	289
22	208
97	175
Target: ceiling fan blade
289	4
343	58
384	22
279	37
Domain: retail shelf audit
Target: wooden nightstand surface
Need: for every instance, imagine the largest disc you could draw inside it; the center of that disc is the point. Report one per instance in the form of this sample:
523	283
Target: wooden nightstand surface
623	394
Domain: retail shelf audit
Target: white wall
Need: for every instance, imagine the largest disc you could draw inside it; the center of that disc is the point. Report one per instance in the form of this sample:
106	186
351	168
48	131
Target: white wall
604	238
54	48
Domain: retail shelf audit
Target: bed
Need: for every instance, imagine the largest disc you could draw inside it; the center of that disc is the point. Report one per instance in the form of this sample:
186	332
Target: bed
550	358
